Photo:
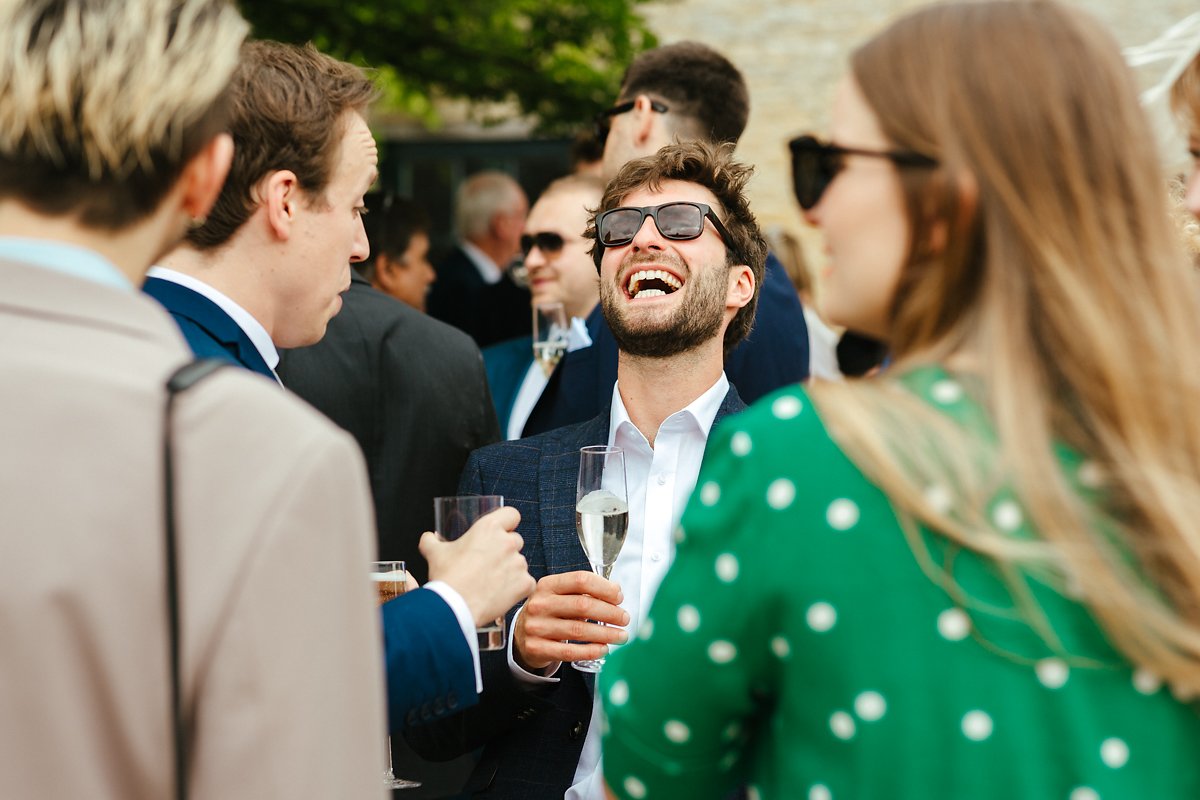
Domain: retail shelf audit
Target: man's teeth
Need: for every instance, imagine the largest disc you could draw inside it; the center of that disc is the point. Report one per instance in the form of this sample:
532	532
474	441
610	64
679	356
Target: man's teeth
643	276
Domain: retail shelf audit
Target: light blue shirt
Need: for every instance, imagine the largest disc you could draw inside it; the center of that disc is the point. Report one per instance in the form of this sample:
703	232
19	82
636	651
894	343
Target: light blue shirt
69	259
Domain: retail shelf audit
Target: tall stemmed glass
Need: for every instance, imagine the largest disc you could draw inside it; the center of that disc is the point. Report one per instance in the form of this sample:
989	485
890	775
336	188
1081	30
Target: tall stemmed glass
391	581
550	328
601	516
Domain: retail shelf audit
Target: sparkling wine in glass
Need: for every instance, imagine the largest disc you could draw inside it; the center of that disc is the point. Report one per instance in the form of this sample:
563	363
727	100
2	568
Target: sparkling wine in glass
550	328
391	579
601	515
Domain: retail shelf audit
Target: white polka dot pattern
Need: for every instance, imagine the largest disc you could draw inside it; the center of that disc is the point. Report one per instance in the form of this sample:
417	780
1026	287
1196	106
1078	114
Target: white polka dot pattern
677	732
819	791
727	567
870	706
939	499
740	444
1114	753
680	535
721	652
1052	672
821	617
1007	516
780	647
842	515
635	788
618	693
688	618
710	493
953	624
946	392
842	725
786	407
1146	682
752	793
732	732
647	629
780	494
977	726
1084	793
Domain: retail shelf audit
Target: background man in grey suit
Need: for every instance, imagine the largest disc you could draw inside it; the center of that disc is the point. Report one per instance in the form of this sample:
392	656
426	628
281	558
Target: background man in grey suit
680	258
111	143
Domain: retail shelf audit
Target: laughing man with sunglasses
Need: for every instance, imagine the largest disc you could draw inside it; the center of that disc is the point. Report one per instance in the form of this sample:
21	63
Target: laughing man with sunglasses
680	259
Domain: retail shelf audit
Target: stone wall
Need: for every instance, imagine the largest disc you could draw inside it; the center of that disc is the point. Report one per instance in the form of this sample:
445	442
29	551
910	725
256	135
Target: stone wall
793	52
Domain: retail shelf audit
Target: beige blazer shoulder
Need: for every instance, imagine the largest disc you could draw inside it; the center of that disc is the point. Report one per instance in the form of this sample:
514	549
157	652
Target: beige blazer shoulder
282	664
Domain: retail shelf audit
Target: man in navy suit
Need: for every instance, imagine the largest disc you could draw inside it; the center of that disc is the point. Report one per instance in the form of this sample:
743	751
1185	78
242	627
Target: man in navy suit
679	92
680	259
265	269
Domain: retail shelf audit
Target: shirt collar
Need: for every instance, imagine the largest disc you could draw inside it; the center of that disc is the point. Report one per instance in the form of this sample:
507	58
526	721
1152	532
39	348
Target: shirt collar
701	412
488	269
250	326
66	258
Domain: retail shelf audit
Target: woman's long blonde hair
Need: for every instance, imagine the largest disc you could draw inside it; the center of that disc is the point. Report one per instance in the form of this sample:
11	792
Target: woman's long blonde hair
1042	257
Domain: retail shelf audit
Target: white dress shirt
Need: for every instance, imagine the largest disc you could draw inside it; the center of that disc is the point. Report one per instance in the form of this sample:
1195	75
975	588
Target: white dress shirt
660	481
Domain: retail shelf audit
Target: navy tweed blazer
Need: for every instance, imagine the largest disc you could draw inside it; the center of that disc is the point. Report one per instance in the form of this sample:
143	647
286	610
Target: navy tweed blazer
531	736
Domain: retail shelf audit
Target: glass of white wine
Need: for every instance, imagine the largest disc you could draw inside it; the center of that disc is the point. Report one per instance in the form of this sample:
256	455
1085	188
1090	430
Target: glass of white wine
601	515
550	326
391	581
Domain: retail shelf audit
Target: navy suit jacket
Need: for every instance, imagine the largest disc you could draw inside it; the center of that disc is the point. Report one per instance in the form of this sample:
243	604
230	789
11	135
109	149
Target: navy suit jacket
210	332
774	355
506	364
532	737
429	668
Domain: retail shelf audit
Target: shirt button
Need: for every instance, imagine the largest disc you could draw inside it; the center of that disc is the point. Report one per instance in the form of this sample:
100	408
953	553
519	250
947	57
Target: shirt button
656	557
662	479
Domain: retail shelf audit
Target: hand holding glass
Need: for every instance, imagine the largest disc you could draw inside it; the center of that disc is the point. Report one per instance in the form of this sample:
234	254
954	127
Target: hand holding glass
452	516
601	515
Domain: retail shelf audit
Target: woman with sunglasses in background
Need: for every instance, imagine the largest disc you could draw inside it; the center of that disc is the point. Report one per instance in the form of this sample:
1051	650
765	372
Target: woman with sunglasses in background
976	575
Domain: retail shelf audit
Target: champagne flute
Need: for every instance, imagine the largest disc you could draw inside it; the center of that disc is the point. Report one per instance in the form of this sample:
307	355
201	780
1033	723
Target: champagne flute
549	335
601	516
391	581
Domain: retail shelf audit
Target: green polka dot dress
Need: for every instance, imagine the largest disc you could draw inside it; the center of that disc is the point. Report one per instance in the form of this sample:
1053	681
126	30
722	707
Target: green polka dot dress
797	648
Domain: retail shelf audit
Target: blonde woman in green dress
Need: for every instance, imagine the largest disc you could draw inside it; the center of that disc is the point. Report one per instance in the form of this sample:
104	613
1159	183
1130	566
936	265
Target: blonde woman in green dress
976	575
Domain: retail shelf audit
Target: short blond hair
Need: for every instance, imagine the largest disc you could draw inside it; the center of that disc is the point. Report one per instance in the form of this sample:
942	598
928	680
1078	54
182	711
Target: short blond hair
104	102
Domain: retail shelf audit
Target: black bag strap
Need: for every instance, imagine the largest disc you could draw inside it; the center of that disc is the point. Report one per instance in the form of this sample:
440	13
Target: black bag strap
181	380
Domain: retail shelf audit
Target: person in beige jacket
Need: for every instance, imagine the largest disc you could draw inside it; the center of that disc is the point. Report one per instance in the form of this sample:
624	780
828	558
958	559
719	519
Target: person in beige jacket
111	145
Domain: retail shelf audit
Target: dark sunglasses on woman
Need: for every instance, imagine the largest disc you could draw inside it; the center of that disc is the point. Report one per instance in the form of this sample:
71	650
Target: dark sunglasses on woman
815	164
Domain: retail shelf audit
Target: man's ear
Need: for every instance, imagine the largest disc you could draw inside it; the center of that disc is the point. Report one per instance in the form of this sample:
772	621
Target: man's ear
644	118
385	273
204	175
741	287
278	195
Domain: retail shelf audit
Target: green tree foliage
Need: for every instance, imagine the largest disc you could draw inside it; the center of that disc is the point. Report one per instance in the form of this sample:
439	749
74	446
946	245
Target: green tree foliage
560	60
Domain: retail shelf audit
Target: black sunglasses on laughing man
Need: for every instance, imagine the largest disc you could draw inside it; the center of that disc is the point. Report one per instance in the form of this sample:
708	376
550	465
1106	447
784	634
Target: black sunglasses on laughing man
815	164
679	221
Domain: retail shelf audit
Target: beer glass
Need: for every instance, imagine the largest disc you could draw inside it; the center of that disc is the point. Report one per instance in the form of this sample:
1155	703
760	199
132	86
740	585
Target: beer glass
390	580
452	516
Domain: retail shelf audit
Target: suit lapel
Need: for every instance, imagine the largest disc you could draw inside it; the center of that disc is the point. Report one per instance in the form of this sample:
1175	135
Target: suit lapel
184	303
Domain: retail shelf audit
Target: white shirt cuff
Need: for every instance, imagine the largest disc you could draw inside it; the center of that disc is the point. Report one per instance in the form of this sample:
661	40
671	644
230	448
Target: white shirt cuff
522	674
465	621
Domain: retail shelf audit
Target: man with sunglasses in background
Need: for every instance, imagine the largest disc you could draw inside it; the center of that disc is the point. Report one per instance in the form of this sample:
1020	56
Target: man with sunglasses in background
677	93
559	269
680	258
